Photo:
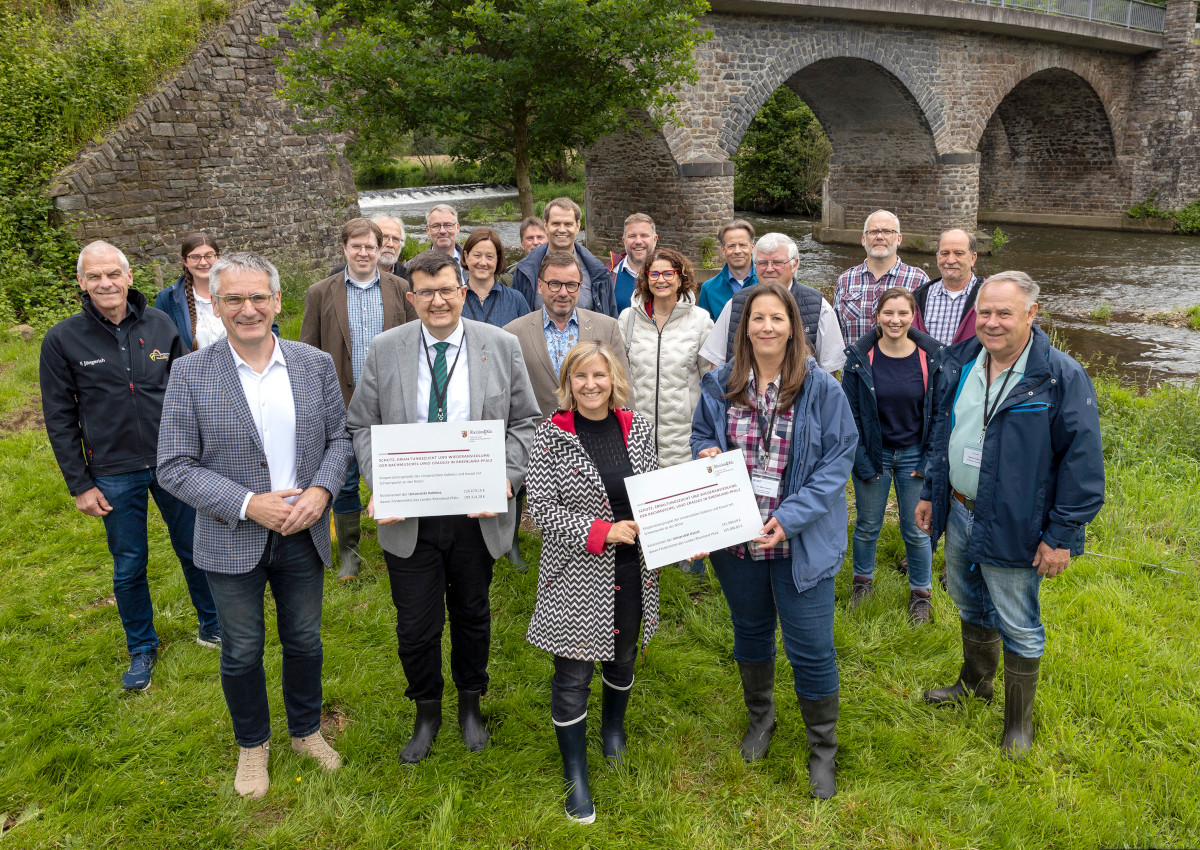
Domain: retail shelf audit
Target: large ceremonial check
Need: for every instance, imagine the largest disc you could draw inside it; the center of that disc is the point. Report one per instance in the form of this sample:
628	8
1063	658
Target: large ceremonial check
438	468
700	506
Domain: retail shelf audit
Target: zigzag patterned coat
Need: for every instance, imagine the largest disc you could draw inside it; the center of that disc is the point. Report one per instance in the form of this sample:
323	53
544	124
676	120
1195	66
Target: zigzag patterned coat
573	616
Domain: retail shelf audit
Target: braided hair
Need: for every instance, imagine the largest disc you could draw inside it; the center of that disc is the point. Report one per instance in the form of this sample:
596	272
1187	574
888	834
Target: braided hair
190	243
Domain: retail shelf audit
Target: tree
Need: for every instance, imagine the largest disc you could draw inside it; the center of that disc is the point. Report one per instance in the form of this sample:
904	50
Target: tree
782	159
519	80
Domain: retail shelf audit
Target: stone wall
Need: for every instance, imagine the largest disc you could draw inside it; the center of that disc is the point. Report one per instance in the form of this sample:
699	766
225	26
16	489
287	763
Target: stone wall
214	150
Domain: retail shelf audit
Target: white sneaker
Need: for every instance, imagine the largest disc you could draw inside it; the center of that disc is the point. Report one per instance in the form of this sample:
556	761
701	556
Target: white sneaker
317	747
252	780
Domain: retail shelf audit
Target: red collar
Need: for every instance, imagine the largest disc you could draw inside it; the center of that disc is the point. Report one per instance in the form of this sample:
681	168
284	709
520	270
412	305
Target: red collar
565	419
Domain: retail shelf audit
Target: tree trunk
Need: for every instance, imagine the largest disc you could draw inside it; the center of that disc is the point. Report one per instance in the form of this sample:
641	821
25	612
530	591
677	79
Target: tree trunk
521	160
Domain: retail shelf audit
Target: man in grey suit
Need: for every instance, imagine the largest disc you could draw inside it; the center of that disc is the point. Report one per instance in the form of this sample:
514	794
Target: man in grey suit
546	335
253	436
447	369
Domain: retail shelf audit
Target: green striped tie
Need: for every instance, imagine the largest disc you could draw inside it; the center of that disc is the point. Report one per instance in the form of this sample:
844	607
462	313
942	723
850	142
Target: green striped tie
437	384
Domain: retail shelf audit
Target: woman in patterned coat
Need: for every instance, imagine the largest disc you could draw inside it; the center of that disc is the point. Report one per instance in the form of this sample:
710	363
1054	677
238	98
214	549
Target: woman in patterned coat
593	586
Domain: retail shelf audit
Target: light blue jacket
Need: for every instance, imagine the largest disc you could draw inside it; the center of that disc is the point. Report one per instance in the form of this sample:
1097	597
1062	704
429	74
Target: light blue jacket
824	439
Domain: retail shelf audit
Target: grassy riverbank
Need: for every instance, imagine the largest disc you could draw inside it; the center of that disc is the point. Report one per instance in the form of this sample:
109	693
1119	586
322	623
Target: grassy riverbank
1118	711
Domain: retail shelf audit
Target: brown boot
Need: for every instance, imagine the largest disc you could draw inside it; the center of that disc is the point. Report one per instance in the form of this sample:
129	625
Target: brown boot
981	656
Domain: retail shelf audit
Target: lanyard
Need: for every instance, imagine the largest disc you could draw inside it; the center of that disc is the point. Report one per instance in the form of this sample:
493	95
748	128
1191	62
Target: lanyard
766	429
987	386
441	393
487	313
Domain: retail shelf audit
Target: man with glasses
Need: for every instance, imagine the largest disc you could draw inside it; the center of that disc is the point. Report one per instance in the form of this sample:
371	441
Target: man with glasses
103	374
776	259
342	314
444	368
860	287
441	226
546	335
563	220
390	246
254	438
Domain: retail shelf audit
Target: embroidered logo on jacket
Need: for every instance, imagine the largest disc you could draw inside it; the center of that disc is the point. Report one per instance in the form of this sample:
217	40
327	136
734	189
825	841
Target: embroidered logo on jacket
159	355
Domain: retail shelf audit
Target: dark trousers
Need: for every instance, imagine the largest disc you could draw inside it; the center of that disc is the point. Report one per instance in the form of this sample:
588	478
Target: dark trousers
448	573
571	684
293	568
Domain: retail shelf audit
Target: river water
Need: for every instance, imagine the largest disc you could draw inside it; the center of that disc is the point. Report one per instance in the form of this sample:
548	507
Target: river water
1078	270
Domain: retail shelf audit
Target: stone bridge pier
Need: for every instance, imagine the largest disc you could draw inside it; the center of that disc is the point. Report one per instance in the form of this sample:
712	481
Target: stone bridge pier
948	113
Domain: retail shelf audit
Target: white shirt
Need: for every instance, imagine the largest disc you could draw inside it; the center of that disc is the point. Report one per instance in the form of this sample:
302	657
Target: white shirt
830	353
208	328
273	408
458	393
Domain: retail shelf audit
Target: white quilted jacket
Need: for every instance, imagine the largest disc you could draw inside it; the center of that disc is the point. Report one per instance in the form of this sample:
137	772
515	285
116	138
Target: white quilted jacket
665	371
573	616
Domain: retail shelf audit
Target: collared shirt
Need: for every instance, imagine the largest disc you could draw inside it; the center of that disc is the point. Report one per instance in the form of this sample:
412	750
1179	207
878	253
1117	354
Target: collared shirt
858	291
558	343
273	408
502	305
944	310
830	353
208	328
458	392
744	431
968	419
364	309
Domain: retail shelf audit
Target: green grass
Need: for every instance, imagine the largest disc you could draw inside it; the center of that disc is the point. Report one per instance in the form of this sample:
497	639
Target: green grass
1102	314
1117	718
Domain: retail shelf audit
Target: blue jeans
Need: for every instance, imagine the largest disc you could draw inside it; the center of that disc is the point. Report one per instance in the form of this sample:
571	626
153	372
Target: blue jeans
870	499
125	528
1003	598
293	567
346	500
755	591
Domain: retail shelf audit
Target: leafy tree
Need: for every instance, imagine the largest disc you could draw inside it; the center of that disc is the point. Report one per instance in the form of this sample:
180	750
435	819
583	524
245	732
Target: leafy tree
517	80
783	158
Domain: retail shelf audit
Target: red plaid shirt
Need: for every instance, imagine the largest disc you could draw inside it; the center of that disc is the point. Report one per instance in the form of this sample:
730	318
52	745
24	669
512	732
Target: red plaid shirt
744	432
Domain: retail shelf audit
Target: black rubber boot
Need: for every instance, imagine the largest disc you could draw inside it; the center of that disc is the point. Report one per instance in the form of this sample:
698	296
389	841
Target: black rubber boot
981	656
612	723
1020	686
572	744
820	726
758	688
474	733
349	532
429	721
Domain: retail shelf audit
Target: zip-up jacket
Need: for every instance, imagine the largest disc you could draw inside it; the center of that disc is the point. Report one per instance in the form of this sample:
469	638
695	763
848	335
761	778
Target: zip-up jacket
597	280
1042	475
102	405
858	382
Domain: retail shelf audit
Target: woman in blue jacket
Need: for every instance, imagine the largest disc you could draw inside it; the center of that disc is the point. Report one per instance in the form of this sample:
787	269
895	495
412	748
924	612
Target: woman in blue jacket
889	381
794	425
188	301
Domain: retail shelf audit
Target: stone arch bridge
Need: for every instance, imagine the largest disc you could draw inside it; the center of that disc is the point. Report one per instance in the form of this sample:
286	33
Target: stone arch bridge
949	113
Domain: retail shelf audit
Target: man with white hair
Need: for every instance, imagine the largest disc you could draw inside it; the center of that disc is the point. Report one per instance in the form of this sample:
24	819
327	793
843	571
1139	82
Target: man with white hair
441	226
391	245
859	288
1016	474
776	259
103	375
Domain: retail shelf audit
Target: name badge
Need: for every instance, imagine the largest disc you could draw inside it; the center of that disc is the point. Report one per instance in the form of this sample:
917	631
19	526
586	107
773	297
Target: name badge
765	485
972	457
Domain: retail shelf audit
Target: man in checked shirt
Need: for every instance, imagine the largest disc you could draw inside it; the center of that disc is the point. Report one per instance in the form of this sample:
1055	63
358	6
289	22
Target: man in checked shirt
860	287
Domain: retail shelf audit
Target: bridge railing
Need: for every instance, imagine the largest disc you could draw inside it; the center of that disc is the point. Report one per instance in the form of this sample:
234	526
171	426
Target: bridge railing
1134	14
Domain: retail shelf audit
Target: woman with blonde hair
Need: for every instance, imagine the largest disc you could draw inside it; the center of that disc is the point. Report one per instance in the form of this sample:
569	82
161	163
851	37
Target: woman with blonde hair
594	589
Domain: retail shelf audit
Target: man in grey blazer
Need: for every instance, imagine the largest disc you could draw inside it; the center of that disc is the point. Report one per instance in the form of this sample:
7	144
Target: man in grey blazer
444	368
253	436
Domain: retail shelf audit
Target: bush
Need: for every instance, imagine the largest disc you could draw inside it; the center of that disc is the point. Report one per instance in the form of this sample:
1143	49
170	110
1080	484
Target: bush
783	158
63	80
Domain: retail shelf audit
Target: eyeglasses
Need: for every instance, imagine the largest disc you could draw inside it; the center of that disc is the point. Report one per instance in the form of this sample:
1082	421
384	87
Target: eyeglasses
447	293
362	249
201	258
393	239
773	264
667	274
885	233
448	226
556	285
236	302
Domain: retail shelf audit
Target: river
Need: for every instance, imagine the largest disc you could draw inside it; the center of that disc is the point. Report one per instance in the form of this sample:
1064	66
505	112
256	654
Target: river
1078	270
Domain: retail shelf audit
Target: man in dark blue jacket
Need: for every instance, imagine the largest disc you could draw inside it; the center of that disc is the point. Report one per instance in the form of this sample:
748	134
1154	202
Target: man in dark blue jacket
563	218
103	376
1016	473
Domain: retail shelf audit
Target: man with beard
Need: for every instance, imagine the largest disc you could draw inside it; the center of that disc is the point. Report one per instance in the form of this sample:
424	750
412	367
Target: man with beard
860	287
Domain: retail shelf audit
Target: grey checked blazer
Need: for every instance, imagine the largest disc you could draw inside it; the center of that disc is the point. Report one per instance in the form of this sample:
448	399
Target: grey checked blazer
210	456
499	387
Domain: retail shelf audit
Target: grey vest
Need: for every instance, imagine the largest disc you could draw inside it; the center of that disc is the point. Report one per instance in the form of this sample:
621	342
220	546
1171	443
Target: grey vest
807	299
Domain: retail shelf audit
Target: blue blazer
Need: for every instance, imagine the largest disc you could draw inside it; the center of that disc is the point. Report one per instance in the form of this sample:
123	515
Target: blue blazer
210	456
813	510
